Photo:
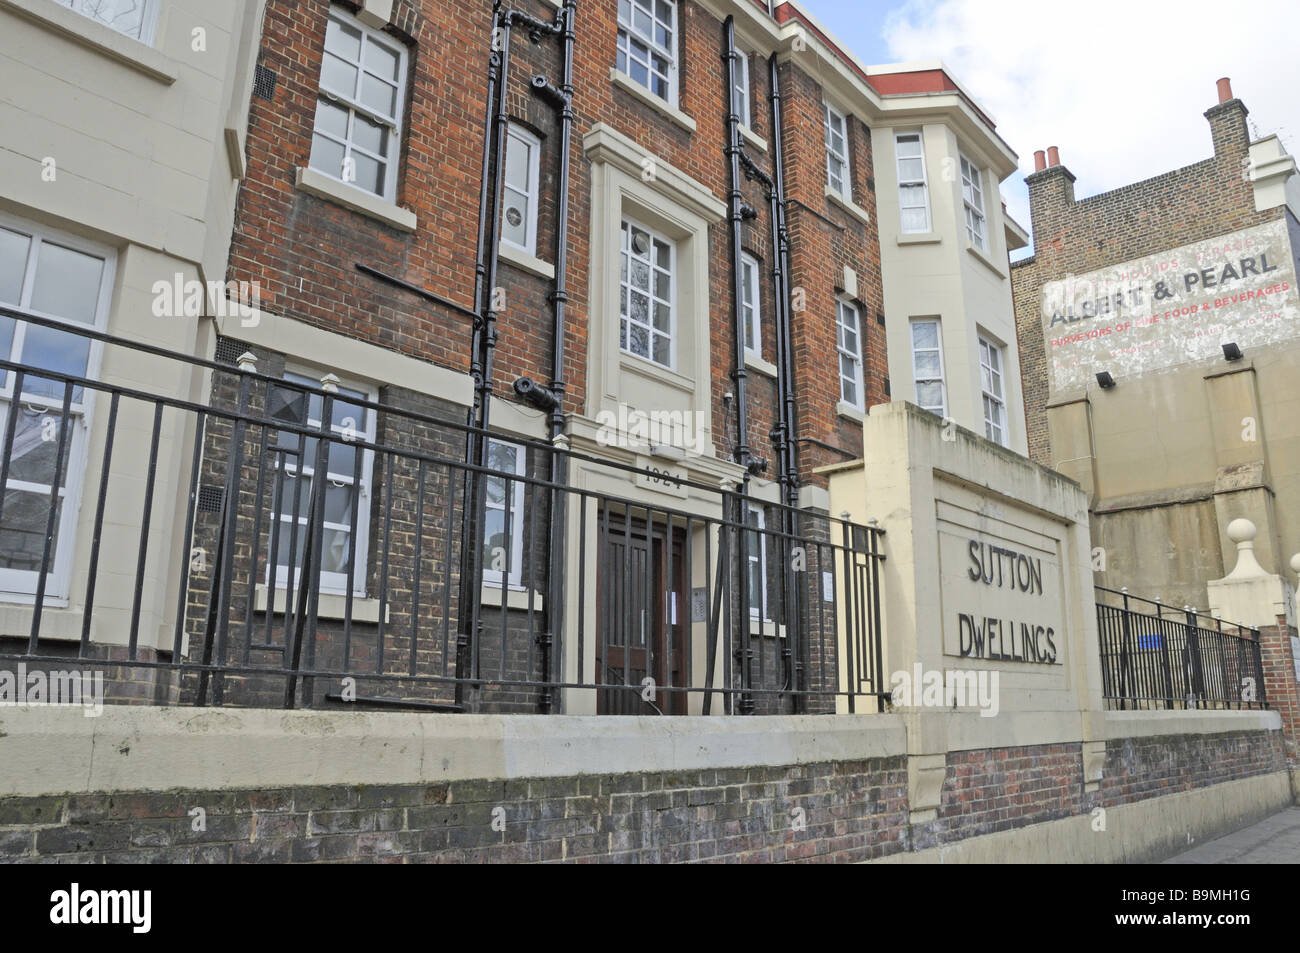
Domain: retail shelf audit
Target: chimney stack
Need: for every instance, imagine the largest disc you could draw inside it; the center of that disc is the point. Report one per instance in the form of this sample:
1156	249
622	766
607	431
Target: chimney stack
1053	156
1228	125
1040	161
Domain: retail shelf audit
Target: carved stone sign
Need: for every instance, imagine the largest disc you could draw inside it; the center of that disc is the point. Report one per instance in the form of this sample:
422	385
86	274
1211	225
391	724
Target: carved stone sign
1173	308
1002	598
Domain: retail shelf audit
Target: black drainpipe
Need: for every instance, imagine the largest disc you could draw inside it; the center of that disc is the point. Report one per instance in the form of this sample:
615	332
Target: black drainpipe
788	448
485	333
793	649
737	214
551	398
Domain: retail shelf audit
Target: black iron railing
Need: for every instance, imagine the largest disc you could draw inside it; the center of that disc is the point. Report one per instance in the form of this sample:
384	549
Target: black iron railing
1158	656
291	542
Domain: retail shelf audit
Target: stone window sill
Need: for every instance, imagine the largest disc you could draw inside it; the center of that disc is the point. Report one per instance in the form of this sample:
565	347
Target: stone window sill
96	37
848	205
656	372
845	409
526	262
755	363
358	200
628	84
753	138
985	260
919	238
517	597
333	605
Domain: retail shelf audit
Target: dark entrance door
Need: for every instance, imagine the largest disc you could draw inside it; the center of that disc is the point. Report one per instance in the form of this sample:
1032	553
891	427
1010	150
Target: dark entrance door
641	611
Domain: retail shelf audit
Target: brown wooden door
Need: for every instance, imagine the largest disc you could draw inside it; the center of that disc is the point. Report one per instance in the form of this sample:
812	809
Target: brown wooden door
641	612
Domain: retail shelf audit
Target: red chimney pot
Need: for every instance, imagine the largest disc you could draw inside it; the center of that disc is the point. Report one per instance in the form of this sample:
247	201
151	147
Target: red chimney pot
1040	161
1225	89
1053	156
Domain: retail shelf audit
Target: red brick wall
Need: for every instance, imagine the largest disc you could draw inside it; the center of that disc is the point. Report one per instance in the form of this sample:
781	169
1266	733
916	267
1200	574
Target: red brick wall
304	249
1203	200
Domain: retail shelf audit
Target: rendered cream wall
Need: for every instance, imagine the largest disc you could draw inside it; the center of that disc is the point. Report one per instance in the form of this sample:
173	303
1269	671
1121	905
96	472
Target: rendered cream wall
138	136
935	275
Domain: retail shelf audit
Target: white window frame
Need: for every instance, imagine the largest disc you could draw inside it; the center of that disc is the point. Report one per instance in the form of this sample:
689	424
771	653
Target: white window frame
841	307
751	305
148	22
20	584
514	574
845	187
759	526
917	377
332	582
972	195
630	35
626	290
519	134
993	362
351	103
741	101
907	181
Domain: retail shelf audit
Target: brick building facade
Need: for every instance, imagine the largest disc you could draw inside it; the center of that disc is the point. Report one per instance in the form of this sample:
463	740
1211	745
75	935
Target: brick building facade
1181	438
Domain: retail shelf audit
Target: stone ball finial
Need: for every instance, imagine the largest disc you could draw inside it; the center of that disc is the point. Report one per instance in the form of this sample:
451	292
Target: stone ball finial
1242	530
1295	564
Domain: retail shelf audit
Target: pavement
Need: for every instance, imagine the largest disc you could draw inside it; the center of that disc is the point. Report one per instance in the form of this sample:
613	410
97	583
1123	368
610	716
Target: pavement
1274	840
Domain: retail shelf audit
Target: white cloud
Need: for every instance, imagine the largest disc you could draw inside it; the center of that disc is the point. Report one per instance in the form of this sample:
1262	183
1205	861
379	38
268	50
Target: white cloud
1120	87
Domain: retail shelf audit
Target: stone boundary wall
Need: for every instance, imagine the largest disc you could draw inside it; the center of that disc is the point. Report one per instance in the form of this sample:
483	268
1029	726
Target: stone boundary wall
127	787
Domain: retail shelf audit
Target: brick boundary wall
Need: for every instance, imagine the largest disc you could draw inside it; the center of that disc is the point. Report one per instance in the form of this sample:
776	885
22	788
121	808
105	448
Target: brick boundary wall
851	810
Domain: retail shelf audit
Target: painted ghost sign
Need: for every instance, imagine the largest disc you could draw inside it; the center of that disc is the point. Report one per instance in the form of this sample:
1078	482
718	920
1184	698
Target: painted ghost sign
1173	308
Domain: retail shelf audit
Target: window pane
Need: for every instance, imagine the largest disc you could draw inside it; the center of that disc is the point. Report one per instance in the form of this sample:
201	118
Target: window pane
369	173
378	95
34	455
338	75
915	220
13	264
925	334
370	136
381	60
662	350
910	170
125	16
927	363
22	530
338	504
327	156
331	118
518	161
849	391
909	145
54	351
515	218
67	283
503	457
929	394
640	341
343	40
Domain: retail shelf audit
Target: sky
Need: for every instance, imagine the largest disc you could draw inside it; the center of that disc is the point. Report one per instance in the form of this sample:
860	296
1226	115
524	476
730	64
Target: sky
1119	87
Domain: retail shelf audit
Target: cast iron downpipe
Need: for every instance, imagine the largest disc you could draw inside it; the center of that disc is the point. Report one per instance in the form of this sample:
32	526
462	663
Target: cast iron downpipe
787	444
738	211
553	400
484	339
